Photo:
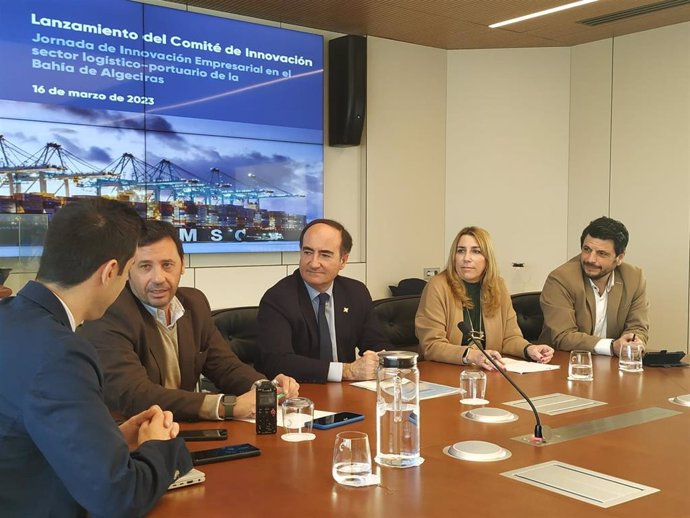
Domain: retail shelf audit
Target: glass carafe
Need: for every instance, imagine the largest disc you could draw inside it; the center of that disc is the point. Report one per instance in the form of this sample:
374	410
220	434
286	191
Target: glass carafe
397	410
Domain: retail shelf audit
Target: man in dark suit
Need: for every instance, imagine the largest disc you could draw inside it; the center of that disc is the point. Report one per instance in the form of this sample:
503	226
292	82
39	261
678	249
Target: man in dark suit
311	322
157	338
61	453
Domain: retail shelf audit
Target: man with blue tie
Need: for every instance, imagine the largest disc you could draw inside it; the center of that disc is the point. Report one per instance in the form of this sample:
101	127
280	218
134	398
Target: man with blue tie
311	322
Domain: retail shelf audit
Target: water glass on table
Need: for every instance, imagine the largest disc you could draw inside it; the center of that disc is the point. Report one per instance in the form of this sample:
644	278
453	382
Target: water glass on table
580	366
298	419
352	459
630	357
472	387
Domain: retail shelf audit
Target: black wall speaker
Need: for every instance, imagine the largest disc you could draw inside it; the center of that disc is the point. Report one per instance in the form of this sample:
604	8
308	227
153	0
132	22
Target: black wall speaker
347	89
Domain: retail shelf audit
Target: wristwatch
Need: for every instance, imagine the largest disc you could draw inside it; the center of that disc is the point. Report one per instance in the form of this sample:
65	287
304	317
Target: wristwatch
526	355
229	403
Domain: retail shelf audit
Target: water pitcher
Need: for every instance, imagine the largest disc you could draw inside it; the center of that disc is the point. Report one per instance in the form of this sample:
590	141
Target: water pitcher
397	410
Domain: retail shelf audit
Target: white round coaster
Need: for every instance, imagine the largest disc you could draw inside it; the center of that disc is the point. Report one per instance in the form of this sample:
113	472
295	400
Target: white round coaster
298	437
474	401
477	451
490	415
681	400
590	378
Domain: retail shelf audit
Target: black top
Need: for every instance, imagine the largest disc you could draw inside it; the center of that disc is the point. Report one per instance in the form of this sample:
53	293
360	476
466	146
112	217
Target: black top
473	316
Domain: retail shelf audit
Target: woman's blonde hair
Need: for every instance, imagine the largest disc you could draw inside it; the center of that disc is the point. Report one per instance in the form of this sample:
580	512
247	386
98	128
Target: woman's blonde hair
490	295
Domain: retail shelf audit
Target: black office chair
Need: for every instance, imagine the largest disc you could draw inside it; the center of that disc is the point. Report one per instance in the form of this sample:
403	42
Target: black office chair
396	315
530	318
411	286
240	328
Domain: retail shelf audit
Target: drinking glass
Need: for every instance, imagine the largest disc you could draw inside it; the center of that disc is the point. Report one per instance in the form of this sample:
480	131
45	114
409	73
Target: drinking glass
298	417
630	357
580	366
352	459
472	387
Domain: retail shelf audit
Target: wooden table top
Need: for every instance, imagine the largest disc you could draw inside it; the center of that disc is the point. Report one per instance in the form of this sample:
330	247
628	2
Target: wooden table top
295	478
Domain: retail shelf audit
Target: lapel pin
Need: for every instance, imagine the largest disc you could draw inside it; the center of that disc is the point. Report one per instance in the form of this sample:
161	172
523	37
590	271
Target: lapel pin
346	310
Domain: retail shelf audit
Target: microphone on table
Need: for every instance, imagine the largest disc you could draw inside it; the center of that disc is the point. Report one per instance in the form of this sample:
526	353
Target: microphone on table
538	431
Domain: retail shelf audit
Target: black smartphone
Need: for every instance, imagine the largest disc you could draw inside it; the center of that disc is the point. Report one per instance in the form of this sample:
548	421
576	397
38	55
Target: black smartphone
204	435
664	358
236	451
339	419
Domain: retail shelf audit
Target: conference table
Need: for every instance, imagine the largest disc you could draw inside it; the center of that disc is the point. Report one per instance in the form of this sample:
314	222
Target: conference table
294	479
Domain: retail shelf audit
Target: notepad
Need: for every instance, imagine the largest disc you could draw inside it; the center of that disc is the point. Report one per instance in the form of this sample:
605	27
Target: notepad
523	367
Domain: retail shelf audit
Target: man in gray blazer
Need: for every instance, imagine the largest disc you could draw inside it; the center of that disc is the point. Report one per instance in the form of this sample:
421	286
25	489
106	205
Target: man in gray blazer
595	301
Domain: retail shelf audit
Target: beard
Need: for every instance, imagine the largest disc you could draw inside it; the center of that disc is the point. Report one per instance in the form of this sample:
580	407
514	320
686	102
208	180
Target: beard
598	274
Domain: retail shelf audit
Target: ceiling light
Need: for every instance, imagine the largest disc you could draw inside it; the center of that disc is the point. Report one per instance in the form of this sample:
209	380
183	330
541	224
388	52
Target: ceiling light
541	13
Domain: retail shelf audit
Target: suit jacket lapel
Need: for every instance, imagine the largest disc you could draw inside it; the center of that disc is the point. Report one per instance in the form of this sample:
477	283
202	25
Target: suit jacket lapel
153	342
342	323
307	310
187	350
493	330
591	303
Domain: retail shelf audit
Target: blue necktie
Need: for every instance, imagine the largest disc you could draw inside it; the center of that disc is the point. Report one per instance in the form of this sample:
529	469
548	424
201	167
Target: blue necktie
325	344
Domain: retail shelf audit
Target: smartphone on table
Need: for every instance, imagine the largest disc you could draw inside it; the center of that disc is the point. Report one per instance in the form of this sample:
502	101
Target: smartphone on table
206	434
236	451
339	419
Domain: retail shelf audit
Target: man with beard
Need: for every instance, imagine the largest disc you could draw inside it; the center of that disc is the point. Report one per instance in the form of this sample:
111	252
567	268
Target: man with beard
595	301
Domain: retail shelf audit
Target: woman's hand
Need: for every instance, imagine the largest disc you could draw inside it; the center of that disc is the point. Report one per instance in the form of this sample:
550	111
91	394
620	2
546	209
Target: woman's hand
540	353
475	356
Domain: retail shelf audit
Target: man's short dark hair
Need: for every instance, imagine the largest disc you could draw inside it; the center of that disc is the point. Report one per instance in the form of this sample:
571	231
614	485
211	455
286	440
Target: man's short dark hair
345	237
155	231
85	234
607	228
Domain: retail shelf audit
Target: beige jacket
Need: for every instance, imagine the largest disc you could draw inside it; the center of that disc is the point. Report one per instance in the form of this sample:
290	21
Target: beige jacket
436	324
567	301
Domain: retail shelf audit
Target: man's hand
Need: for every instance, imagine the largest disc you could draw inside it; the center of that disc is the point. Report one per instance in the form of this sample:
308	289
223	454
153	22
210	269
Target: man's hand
540	353
131	428
150	424
363	368
156	429
626	338
245	407
287	386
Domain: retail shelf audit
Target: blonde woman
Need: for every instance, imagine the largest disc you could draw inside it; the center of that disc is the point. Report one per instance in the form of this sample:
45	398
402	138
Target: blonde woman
470	289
